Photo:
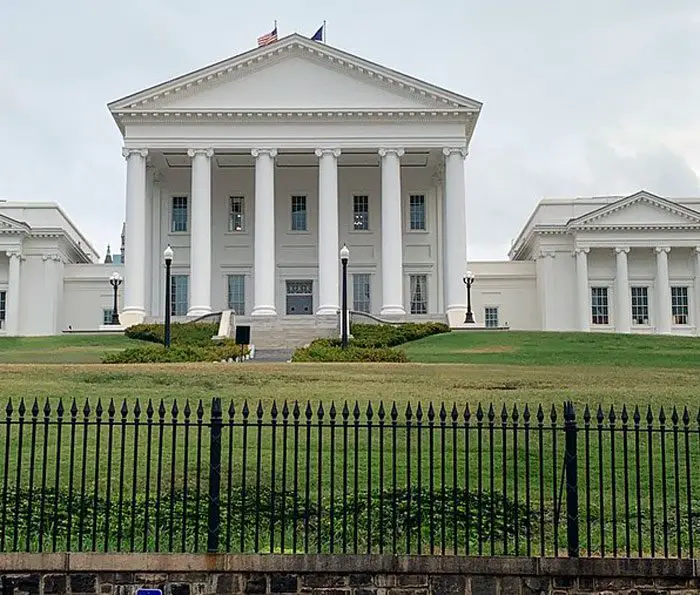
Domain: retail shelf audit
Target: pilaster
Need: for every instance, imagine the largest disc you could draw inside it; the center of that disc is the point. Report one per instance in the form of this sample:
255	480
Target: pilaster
545	285
696	292
582	291
663	291
50	300
14	292
623	311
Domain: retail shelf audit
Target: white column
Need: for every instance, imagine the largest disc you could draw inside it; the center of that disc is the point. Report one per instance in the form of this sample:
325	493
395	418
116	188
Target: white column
663	291
328	272
264	261
454	225
696	293
135	250
157	275
623	313
584	303
392	233
13	292
200	236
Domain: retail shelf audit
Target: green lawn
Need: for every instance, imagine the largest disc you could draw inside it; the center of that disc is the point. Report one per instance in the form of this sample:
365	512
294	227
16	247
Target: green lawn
62	349
503	368
557	349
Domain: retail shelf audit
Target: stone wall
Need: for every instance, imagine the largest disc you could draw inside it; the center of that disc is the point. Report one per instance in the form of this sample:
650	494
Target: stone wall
177	574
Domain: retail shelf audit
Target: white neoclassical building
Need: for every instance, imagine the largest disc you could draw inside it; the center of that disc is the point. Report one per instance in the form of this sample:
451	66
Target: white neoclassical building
257	169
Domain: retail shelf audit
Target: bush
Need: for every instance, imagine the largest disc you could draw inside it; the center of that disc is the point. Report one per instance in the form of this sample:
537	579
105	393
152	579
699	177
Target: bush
194	333
386	335
146	354
324	350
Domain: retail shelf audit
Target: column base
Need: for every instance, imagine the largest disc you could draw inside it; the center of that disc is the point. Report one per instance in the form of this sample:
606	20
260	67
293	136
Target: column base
328	310
196	311
456	316
131	316
264	311
393	311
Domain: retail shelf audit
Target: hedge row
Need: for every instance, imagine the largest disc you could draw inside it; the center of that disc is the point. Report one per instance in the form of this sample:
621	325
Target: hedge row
147	354
369	343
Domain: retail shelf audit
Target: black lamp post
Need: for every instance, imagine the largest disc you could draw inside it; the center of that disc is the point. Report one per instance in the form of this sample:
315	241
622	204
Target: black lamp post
115	281
468	281
344	257
168	256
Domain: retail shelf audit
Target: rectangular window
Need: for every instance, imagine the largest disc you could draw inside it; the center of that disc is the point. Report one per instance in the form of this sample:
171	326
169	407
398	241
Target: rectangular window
236	294
360	213
298	213
599	305
417	212
107	315
491	316
679	305
419	294
3	308
179	295
236	220
178	218
361	300
640	305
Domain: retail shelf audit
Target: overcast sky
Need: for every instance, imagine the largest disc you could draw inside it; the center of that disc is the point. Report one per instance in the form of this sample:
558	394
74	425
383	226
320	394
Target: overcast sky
580	97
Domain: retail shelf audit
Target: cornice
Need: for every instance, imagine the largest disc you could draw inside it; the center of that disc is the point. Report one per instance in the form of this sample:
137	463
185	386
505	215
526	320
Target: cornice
294	45
638	227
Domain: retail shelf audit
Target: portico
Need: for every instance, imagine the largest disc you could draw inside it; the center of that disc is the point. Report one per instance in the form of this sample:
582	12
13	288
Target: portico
349	153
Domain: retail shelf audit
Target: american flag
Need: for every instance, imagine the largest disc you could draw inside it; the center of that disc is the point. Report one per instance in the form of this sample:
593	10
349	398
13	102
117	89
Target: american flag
268	38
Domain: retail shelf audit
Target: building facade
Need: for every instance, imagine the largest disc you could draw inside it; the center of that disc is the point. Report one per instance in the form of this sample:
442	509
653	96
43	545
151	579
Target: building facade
257	169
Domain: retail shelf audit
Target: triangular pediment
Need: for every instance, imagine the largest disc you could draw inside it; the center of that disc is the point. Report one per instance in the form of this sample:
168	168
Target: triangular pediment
294	73
8	224
642	209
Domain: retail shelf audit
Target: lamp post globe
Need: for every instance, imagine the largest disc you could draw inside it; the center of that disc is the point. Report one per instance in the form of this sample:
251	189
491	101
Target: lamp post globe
168	256
344	258
468	280
115	281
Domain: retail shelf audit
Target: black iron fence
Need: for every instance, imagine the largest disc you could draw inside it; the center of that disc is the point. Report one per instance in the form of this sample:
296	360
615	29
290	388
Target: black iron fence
371	479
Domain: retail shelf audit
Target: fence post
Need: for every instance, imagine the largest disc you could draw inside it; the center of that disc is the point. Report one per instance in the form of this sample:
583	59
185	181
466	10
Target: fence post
214	514
571	465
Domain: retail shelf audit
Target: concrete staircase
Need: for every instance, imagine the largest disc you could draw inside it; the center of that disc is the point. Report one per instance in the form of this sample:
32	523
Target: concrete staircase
288	332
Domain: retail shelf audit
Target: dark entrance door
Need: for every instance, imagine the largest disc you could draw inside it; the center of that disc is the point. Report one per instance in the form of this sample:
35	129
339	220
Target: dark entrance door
300	299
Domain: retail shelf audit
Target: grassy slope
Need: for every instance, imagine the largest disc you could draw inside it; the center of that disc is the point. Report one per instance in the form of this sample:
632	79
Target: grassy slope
558	349
66	349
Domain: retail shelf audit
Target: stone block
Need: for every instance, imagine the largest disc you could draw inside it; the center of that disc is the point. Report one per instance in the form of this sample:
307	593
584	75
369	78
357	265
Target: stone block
511	585
54	583
150	578
24	583
283	583
227	583
386	580
178	589
448	584
409	591
484	585
586	584
565	582
366	591
535	585
83	583
411	580
360	580
255	584
323	581
609	583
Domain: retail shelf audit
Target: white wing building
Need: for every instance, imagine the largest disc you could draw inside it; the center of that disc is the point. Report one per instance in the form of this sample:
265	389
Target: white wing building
257	169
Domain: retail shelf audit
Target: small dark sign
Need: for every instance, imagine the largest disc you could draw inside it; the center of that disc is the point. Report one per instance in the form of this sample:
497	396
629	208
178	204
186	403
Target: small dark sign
149	592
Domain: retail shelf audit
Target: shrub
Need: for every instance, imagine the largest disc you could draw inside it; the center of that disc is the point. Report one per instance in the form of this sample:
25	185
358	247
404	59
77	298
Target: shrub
194	333
386	335
324	351
214	352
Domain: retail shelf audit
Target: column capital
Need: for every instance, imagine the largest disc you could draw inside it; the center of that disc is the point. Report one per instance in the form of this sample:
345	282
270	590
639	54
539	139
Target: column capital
622	249
128	152
51	256
271	152
383	152
14	254
660	249
326	151
447	151
581	250
208	153
546	254
697	249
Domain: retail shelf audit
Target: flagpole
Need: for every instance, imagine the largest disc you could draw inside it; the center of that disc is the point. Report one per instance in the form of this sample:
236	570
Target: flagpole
275	29
325	34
